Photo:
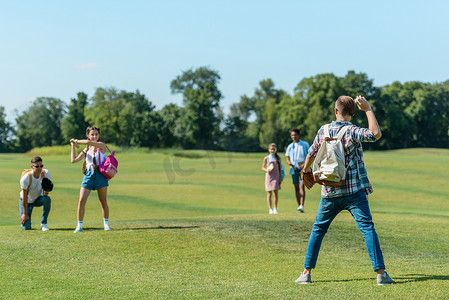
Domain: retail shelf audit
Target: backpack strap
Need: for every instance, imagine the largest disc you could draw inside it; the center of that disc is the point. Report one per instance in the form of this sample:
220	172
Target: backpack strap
339	135
99	156
30	174
342	132
326	130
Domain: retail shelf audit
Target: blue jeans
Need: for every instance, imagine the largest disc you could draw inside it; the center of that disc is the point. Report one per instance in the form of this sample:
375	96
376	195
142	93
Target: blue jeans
357	205
44	201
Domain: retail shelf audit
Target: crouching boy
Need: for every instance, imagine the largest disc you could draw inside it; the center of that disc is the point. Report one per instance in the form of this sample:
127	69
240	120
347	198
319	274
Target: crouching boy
32	194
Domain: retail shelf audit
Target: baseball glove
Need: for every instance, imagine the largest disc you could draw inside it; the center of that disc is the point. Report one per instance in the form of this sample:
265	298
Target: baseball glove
308	179
47	185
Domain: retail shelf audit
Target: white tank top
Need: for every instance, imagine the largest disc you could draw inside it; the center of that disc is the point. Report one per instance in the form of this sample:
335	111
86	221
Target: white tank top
90	158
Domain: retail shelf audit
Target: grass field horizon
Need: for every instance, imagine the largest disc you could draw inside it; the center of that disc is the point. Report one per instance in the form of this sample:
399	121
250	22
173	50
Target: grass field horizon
195	224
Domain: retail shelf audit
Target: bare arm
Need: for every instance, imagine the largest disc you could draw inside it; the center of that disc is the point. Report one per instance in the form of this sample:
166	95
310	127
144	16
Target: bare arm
309	161
100	145
264	164
24	217
73	157
289	162
373	125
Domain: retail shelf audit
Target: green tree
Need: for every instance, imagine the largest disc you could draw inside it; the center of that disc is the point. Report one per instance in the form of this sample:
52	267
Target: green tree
74	124
201	115
147	129
133	120
172	132
40	124
6	131
289	116
234	133
359	84
119	114
430	112
262	106
103	111
415	114
316	99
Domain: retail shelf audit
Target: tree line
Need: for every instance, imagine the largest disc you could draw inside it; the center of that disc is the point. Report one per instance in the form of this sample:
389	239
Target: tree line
412	114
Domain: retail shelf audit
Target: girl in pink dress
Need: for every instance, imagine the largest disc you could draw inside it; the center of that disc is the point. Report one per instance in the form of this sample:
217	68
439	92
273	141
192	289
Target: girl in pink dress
273	177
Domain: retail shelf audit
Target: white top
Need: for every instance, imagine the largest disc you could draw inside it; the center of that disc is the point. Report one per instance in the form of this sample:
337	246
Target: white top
35	189
90	158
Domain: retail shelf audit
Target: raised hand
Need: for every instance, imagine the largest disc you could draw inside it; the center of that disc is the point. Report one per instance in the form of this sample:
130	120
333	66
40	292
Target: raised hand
362	103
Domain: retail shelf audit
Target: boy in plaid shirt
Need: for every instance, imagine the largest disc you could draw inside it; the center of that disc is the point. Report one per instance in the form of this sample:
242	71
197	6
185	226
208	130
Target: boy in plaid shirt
352	194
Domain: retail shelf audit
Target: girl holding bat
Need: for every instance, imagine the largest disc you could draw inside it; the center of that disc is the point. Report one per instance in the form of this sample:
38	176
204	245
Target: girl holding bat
93	154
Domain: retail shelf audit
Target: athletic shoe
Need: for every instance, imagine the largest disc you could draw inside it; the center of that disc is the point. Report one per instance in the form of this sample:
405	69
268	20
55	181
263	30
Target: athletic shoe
300	209
275	211
304	279
44	227
106	226
78	229
270	211
383	279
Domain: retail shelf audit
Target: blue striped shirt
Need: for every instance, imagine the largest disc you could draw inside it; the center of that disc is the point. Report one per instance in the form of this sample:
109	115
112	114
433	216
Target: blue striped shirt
356	176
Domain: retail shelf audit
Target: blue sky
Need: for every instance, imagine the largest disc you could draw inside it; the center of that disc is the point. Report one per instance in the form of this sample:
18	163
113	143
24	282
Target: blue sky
59	48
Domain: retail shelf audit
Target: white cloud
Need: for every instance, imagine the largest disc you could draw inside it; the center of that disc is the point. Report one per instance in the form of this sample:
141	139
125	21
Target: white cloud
85	66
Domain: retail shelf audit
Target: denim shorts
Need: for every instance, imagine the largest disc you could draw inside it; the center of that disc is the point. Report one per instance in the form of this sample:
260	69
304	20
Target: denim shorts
94	181
296	178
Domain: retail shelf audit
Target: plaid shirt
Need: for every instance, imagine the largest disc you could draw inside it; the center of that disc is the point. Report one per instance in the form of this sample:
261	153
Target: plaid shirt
356	175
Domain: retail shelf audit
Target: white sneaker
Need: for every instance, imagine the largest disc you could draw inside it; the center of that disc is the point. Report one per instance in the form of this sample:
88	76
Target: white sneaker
78	229
275	211
44	227
300	209
106	226
270	211
384	279
304	279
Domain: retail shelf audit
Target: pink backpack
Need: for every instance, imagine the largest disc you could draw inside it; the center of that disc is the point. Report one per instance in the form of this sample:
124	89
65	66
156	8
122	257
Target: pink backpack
109	167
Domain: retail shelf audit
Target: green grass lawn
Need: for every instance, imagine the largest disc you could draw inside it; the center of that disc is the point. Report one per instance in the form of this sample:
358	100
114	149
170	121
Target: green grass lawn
195	224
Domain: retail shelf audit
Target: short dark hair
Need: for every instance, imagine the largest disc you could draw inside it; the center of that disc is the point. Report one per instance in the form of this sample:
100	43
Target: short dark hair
36	159
295	130
346	106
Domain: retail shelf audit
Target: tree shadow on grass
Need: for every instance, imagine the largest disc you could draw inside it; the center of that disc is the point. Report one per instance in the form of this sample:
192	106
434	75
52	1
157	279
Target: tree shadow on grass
398	279
127	228
419	277
343	280
159	227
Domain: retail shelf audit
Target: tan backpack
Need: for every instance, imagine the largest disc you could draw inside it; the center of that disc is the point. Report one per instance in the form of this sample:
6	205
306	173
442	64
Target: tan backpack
329	166
30	173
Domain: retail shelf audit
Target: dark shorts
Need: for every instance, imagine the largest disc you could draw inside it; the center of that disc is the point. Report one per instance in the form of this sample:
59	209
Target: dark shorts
296	178
94	181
